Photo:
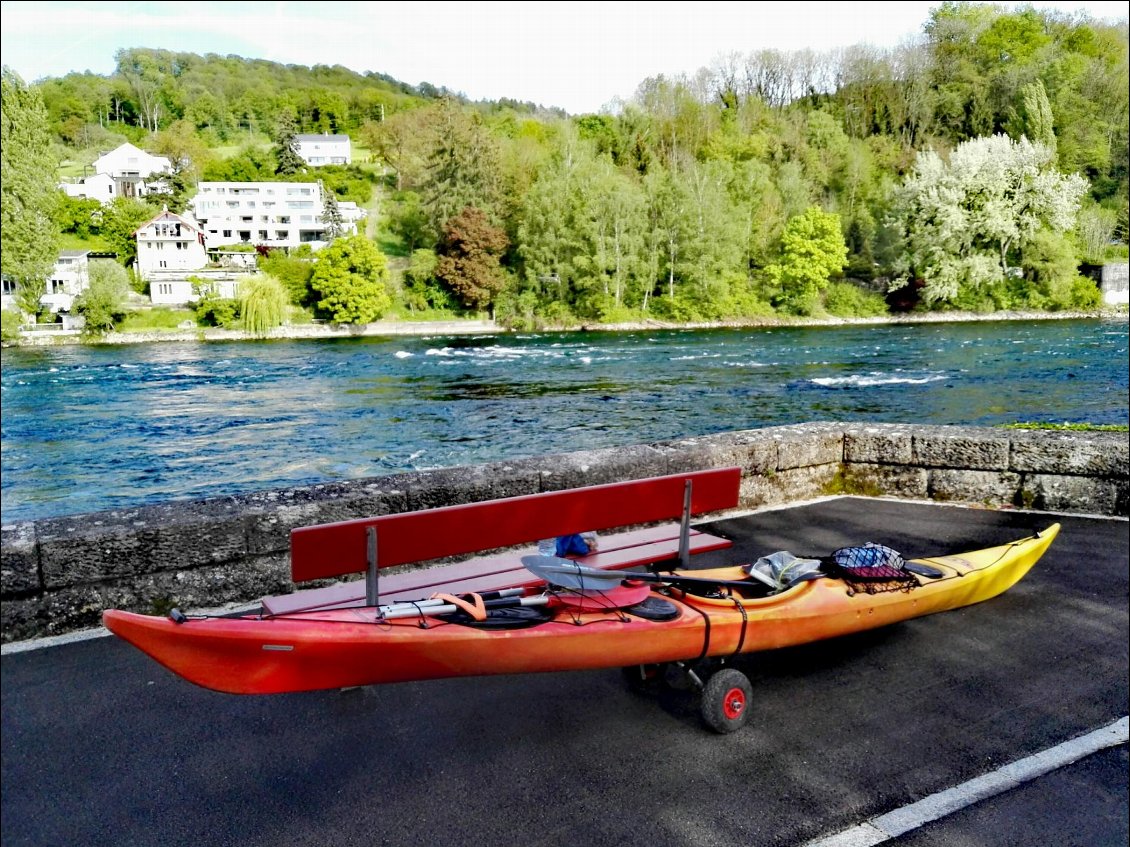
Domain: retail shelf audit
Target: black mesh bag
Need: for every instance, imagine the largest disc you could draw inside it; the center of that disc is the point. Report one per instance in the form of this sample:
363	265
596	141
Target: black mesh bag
871	569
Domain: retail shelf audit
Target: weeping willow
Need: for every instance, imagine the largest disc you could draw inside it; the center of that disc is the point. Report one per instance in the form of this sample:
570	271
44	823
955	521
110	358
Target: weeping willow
263	305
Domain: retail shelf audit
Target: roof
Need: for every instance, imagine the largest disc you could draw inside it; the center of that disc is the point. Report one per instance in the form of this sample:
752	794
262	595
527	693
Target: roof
166	215
68	254
322	137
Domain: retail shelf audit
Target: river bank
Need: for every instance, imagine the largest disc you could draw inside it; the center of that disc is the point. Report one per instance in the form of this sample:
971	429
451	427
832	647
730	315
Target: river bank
380	329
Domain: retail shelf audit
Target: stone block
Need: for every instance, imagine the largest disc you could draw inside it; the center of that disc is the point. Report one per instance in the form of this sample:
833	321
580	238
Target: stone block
454	486
597	467
966	448
53	613
92	548
779	487
750	450
1057	493
19	559
988	488
1103	454
881	444
873	480
268	528
808	445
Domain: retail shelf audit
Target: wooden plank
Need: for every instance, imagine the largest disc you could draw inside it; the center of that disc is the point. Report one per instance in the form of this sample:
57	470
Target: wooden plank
331	550
620	550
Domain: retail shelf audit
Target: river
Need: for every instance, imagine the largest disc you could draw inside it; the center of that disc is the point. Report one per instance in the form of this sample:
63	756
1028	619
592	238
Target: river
89	428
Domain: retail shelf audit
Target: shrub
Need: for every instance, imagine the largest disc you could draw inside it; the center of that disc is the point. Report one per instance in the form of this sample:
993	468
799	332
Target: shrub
10	326
845	300
217	311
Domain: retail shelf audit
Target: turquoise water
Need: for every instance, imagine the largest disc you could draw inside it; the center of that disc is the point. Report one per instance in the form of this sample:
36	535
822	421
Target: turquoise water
91	428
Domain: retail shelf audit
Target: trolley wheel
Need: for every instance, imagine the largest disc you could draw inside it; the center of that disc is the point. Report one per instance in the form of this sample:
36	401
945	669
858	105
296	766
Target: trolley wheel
725	700
644	679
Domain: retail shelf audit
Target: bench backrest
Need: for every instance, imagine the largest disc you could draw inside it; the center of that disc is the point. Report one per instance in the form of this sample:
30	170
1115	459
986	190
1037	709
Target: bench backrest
336	549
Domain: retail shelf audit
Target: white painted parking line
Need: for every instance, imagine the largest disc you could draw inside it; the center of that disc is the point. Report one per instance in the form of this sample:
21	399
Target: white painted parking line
892	824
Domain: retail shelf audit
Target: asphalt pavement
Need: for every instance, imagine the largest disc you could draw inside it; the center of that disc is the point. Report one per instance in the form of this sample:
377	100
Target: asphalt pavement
102	746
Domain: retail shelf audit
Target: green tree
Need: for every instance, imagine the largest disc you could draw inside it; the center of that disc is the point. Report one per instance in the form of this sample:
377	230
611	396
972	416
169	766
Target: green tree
293	270
103	302
288	162
1038	123
79	215
408	221
29	237
421	288
332	219
462	168
469	258
120	220
350	281
812	252
262	304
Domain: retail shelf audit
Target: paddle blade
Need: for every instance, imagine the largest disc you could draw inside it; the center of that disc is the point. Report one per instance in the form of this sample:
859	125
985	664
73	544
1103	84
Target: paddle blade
565	573
612	597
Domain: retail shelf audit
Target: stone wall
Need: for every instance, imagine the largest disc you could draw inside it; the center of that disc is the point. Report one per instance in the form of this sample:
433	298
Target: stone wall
58	574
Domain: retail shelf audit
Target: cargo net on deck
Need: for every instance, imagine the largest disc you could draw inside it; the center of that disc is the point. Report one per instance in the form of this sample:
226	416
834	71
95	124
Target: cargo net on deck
870	569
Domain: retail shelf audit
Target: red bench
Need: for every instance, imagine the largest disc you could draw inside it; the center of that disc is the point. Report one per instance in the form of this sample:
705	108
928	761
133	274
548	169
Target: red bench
371	544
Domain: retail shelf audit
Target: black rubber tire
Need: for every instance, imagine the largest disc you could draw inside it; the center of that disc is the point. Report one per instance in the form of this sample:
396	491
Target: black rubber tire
644	679
726	699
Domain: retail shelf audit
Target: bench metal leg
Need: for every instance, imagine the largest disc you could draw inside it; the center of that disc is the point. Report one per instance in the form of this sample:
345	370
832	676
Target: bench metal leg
685	528
372	592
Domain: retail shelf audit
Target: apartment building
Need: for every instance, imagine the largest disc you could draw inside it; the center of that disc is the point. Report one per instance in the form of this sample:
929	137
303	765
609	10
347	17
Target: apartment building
271	214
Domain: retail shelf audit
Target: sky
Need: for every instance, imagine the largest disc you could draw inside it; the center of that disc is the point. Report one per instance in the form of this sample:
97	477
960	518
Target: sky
579	56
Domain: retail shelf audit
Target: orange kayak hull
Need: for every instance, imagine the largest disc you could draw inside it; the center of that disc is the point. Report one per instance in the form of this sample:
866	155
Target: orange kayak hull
351	647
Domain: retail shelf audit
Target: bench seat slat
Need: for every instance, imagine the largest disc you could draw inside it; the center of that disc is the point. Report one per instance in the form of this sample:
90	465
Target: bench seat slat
490	573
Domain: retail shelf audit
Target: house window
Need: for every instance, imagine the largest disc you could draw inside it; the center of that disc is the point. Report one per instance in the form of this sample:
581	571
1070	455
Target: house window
227	233
163	264
8	285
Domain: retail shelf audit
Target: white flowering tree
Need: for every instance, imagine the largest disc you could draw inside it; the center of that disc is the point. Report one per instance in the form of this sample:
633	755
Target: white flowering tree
965	222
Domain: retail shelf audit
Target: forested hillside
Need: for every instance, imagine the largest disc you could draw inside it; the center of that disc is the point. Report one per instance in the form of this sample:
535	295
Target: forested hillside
979	167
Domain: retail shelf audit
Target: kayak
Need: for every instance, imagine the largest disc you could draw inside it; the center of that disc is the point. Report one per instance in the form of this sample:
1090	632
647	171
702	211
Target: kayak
667	620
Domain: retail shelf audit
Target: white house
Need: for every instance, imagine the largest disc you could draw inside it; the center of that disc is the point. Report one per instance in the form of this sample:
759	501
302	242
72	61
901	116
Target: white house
168	245
272	214
68	279
98	187
318	150
127	171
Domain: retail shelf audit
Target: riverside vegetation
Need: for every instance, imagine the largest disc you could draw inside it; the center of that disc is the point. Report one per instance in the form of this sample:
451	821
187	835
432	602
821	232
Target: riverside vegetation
982	167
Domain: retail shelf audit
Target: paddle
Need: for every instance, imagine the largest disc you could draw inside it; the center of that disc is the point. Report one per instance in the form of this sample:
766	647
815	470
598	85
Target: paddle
565	573
590	599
